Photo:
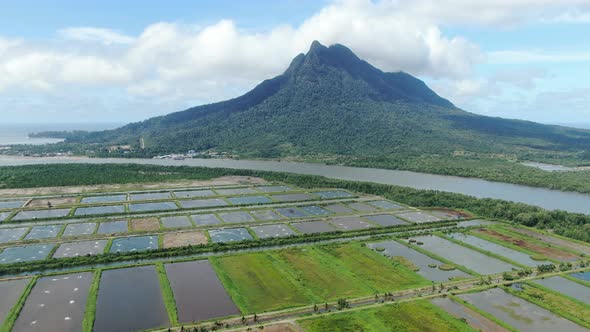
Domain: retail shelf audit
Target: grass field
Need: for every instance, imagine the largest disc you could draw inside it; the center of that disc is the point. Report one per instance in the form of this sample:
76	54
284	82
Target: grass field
416	316
312	274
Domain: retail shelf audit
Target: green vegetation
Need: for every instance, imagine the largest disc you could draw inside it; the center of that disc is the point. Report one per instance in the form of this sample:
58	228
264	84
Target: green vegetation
90	311
446	267
416	316
167	294
313	274
572	225
559	304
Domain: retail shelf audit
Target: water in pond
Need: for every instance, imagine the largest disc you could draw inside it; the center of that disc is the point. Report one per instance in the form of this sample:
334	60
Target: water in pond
315	210
236	217
339	209
41	214
149	196
268	231
103	199
229	235
518	313
82	248
418	217
11	204
248	200
460	255
129	300
473	318
582	275
201	203
566	287
145	207
428	266
385	220
34	252
198	292
43	232
56	304
312	227
291	212
292	197
12	234
4	216
10	292
135	243
362	207
79	229
475	222
274	189
513	255
333	194
176	222
265	215
546	198
112	227
109	209
385	205
193	193
350	223
205	219
236	191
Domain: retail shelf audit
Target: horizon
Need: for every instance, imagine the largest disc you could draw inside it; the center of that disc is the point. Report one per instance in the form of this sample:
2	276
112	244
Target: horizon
84	61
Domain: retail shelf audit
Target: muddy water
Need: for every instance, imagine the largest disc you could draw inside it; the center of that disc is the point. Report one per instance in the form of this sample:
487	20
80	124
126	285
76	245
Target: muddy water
129	300
56	304
10	291
198	292
567	287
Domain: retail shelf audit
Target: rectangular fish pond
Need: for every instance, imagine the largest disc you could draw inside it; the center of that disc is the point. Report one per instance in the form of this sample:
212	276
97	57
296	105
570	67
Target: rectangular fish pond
12	234
103	199
35	252
149	196
518	313
331	194
99	210
43	232
312	227
229	235
567	287
176	222
135	243
113	227
82	248
315	210
194	193
428	266
236	191
350	223
516	256
198	293
249	200
130	299
80	229
268	231
292	197
418	217
265	215
202	203
205	219
460	255
56	304
10	292
41	214
385	220
235	217
145	207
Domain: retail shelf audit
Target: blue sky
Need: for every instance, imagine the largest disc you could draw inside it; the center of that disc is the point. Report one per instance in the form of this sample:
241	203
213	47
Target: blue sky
123	61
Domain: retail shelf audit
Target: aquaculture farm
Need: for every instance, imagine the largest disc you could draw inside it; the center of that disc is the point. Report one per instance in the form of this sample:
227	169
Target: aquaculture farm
272	255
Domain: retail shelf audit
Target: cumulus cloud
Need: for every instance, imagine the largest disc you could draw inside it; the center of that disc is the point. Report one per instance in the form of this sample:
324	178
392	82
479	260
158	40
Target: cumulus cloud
182	62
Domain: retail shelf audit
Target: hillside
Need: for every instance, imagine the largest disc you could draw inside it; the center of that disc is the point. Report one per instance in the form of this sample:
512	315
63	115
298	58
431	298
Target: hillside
330	102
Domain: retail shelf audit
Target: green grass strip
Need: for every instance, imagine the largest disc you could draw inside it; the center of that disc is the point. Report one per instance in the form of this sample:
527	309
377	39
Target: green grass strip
15	311
167	294
90	311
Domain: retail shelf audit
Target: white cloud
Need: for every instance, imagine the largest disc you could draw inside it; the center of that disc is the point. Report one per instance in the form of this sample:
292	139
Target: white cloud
91	34
524	56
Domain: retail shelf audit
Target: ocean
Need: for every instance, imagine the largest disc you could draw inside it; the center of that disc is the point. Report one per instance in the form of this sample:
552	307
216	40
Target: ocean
11	134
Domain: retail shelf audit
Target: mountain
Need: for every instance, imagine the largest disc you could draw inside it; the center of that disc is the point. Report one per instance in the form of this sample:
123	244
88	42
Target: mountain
330	102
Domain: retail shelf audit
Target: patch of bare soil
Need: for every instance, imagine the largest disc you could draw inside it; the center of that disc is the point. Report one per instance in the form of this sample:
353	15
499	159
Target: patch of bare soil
549	252
279	327
51	202
150	224
553	240
221	181
174	240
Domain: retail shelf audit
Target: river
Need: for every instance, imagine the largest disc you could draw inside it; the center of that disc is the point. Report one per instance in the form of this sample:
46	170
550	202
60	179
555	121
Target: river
546	198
